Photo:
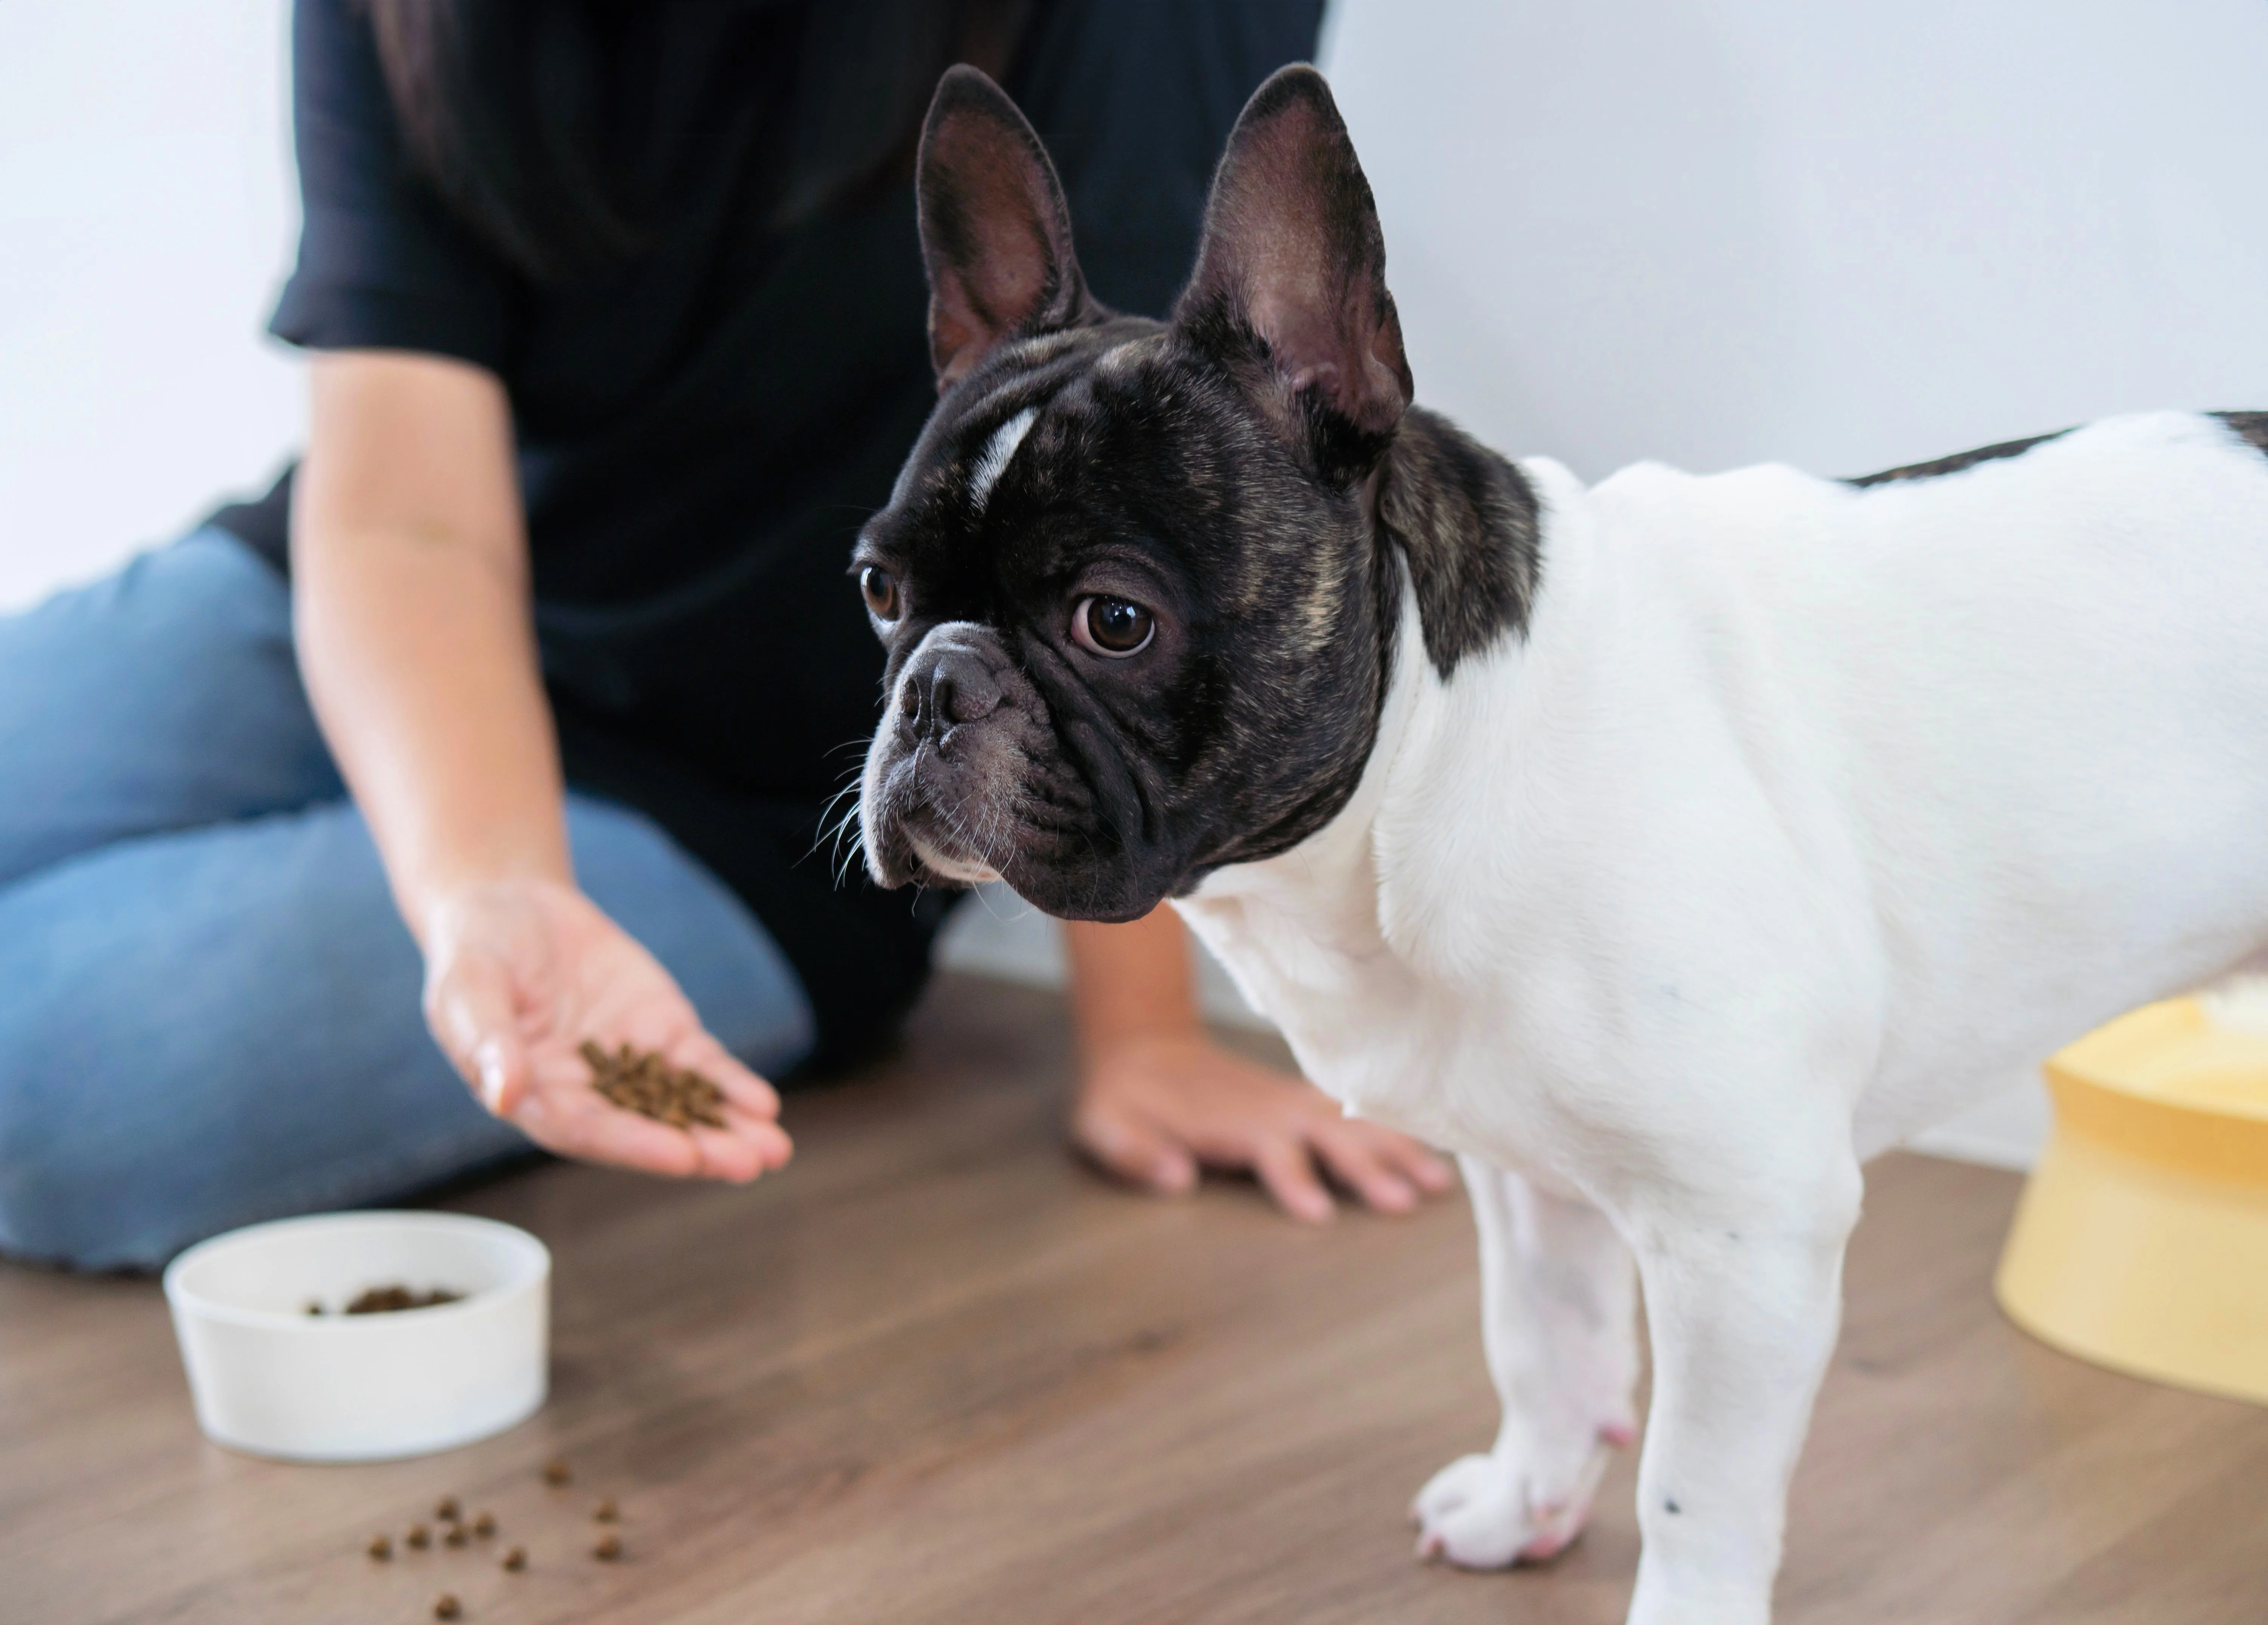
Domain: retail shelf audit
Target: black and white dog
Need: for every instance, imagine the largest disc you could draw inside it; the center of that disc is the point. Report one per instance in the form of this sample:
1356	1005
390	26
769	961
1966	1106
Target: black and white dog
1666	848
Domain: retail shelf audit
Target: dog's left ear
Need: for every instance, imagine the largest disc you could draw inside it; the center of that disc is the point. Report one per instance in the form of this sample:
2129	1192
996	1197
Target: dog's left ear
995	229
1293	254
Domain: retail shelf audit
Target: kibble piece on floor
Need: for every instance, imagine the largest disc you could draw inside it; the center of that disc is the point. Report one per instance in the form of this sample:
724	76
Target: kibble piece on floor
516	1559
380	1548
455	1536
609	1548
446	1606
484	1524
418	1538
606	1511
643	1082
448	1508
556	1471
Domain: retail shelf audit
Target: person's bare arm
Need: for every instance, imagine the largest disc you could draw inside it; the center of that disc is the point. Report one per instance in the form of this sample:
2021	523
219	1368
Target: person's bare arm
409	562
1158	1097
413	622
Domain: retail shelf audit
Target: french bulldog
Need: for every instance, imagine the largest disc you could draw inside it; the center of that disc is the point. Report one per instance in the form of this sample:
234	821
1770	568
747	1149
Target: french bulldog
1665	847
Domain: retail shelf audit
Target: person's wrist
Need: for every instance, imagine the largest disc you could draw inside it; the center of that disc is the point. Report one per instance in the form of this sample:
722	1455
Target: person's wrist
1108	1059
432	904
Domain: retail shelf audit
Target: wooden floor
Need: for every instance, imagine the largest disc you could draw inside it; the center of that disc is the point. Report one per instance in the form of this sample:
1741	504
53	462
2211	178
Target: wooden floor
939	1373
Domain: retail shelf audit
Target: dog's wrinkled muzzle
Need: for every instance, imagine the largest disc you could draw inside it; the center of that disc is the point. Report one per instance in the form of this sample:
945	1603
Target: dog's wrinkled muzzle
943	774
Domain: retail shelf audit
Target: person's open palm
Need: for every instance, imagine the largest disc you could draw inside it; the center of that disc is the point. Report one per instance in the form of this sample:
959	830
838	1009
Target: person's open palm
521	973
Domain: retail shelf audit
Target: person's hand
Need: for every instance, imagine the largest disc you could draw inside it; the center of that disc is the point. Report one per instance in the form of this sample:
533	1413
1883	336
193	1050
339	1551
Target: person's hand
1153	1108
520	972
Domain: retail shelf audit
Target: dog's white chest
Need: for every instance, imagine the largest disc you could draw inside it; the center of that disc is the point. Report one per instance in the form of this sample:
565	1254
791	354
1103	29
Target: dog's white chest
1372	1034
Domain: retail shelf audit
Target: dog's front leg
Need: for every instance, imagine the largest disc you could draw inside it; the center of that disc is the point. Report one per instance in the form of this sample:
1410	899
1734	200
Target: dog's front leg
1559	1321
1743	1299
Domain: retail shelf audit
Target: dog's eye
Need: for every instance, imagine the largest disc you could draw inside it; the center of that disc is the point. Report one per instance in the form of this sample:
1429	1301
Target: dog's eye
880	589
1112	627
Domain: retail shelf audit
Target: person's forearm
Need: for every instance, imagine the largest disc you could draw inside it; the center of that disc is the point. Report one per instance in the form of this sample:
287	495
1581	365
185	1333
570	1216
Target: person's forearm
412	621
416	658
1130	980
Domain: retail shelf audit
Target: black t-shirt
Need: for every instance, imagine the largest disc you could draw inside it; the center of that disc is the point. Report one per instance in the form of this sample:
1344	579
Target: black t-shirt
702	427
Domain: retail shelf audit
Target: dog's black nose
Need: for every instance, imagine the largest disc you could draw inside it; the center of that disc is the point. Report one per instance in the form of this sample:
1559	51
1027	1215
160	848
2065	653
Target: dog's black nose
953	685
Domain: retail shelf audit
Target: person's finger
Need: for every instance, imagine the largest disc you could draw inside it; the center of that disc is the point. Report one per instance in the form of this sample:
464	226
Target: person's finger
1284	1169
1360	1164
1135	1150
1423	1167
701	1053
469	1008
741	1152
593	1130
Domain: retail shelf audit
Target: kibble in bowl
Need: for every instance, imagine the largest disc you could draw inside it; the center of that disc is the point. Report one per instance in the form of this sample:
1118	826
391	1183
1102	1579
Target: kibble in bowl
270	1378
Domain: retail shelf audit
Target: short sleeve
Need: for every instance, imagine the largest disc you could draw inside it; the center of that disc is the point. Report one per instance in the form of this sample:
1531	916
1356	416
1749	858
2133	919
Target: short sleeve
1135	99
382	264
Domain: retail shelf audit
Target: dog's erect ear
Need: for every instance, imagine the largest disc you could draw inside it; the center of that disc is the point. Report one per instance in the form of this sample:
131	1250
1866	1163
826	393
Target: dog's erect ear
995	230
1292	252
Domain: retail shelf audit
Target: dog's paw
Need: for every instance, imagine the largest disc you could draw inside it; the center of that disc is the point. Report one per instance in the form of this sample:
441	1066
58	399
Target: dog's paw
1488	1511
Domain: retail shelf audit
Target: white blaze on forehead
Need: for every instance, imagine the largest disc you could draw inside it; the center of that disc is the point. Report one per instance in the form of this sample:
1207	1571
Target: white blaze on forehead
992	462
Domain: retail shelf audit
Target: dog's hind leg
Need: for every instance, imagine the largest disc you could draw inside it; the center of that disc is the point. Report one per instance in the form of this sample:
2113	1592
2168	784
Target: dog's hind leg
1743	1299
1558	1319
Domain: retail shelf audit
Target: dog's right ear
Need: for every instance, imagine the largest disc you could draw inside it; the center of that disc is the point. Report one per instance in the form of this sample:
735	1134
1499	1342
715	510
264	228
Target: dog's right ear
995	229
1293	255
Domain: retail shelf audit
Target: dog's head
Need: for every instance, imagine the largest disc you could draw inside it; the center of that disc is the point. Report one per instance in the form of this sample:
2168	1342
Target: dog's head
1137	613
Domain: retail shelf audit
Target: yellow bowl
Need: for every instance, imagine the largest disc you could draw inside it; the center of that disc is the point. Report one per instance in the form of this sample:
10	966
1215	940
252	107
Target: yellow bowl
2141	1243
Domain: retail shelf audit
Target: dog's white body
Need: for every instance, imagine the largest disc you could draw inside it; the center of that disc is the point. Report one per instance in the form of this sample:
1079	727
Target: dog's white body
1801	814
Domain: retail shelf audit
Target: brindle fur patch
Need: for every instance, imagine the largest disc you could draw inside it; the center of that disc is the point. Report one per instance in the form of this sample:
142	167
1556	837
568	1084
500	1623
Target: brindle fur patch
2251	426
1958	461
1466	520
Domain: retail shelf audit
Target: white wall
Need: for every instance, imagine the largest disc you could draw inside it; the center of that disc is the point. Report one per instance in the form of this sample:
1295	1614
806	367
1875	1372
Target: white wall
1835	232
147	216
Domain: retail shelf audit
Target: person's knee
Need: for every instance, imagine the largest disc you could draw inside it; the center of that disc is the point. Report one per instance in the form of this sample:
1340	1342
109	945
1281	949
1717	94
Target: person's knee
64	1199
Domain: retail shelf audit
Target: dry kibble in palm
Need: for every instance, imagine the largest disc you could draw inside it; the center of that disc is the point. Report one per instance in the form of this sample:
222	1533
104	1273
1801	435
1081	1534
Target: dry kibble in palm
418	1539
446	1606
556	1471
515	1560
448	1509
606	1511
609	1546
455	1536
485	1525
643	1081
380	1548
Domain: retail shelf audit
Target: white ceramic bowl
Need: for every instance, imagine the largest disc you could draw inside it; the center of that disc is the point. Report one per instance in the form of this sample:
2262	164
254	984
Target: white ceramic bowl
272	1379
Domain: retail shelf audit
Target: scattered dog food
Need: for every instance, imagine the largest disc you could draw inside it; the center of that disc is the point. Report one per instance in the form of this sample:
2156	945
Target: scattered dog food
457	1531
643	1082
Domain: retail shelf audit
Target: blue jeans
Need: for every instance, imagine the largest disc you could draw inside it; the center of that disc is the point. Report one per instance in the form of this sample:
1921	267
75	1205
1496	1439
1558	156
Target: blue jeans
209	1008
